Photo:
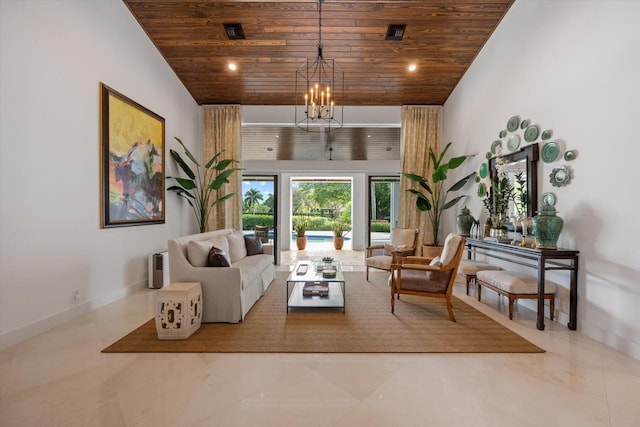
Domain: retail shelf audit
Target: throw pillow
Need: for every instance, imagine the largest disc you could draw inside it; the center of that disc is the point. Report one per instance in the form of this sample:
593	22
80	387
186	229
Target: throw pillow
436	262
237	249
254	246
218	258
451	244
197	252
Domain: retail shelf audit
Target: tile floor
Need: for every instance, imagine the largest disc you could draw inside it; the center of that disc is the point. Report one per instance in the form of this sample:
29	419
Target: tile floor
60	378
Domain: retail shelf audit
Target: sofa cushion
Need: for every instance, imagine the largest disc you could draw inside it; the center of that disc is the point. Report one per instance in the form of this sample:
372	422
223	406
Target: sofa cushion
237	249
254	246
451	244
403	237
515	282
198	252
221	243
252	267
218	258
436	262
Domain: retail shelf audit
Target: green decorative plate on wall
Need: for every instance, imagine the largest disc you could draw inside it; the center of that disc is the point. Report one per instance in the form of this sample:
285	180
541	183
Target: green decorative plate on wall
496	147
524	124
512	124
560	176
550	151
569	155
482	189
547	134
531	133
502	133
484	170
513	142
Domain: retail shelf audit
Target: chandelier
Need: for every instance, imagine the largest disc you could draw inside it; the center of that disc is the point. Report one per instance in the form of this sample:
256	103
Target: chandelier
319	85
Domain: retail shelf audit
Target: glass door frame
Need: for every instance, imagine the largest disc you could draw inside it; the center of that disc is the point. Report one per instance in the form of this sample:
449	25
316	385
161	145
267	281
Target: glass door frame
391	178
276	220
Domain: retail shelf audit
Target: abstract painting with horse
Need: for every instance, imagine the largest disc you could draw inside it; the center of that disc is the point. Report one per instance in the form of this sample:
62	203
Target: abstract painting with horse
135	164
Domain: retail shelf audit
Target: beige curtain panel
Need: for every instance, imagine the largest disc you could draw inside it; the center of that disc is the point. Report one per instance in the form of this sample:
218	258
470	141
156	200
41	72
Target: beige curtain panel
420	131
222	131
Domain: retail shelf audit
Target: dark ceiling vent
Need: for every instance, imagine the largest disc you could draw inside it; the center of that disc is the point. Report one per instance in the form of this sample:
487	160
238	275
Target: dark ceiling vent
234	31
395	31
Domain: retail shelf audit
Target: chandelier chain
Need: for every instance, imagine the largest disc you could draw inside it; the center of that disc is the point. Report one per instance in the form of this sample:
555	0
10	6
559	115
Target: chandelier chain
320	24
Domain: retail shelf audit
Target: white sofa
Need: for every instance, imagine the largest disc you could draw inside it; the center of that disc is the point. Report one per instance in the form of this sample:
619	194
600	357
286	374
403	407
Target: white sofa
228	293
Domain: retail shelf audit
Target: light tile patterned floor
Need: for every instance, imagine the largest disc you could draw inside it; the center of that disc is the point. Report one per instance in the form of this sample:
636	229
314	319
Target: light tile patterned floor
60	378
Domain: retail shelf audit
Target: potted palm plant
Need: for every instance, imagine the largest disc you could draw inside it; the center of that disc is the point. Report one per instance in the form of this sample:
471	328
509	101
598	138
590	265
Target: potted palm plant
433	197
340	228
199	186
300	226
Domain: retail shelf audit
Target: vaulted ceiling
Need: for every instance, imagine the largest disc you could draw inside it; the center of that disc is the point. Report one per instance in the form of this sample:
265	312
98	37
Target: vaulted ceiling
441	38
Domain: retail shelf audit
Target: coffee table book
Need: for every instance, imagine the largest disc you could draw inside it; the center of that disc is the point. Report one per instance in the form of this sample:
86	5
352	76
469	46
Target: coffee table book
316	289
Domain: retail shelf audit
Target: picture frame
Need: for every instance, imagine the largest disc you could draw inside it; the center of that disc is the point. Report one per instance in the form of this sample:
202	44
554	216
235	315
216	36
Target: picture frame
132	158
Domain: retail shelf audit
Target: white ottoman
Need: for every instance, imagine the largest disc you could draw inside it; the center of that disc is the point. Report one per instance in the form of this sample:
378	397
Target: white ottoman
469	269
178	310
515	285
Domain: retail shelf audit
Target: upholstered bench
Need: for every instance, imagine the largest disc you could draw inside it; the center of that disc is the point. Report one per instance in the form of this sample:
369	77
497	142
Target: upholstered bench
469	269
515	285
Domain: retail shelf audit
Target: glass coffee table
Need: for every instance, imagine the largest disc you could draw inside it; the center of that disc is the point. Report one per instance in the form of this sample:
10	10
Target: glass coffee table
316	284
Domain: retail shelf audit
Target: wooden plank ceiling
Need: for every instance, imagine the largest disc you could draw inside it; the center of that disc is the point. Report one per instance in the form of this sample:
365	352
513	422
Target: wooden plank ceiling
442	38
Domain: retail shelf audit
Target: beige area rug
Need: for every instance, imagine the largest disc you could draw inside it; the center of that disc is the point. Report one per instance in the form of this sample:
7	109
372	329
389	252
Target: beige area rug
419	325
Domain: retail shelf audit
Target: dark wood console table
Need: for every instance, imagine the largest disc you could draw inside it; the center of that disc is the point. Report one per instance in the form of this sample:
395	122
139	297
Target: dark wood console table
541	260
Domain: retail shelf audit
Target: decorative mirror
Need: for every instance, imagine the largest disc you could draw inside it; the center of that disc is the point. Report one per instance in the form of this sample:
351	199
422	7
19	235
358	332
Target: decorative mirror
521	169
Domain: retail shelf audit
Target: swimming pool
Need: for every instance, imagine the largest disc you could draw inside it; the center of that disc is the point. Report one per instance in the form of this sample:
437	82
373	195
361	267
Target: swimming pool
318	238
310	237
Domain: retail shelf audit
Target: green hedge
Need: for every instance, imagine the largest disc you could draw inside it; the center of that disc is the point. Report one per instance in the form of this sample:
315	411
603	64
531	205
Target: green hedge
249	221
381	227
316	223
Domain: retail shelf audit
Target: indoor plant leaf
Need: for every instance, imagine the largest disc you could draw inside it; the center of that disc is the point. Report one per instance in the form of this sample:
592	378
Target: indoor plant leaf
187	152
185	168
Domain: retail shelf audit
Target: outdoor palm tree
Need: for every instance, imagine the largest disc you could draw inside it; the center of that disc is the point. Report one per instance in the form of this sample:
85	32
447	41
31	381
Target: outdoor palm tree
252	198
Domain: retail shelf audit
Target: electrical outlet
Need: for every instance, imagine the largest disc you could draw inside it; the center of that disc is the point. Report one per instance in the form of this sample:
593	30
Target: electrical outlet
75	294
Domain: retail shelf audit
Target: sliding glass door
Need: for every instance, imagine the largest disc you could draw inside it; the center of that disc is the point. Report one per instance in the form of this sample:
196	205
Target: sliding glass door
384	201
259	208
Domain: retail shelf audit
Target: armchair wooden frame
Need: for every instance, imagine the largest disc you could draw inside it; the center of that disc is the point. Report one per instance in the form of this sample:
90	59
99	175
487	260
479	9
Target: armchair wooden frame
444	276
394	254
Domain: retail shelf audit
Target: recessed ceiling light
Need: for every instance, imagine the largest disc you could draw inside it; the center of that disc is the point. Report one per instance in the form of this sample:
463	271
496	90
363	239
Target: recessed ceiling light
232	66
388	148
412	67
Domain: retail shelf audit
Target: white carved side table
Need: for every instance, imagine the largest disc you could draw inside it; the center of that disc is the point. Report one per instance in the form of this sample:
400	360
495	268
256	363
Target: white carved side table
178	310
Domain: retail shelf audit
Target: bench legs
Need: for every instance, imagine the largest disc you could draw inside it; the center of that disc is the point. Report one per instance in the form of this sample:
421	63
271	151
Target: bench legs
515	297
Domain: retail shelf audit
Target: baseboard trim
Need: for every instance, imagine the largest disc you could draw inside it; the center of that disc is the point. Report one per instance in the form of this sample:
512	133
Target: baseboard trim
30	330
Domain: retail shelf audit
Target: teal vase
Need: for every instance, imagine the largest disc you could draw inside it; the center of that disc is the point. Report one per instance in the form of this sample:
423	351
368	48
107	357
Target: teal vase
547	227
465	221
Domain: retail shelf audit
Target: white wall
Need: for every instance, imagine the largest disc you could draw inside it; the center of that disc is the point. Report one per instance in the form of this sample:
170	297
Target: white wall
571	67
54	54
